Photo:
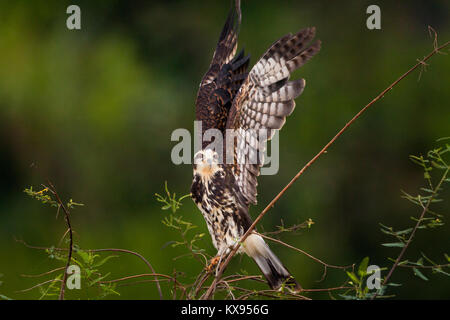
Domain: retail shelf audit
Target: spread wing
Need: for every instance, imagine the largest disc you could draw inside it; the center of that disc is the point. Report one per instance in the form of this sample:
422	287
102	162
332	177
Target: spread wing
225	75
263	102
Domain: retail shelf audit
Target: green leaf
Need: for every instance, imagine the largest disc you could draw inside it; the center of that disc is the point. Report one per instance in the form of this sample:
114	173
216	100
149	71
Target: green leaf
84	255
419	274
352	276
392	284
406	231
102	262
439	270
403	262
362	270
394	244
99	279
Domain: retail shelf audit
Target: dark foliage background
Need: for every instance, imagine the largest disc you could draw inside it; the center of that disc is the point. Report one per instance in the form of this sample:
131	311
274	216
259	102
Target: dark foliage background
93	110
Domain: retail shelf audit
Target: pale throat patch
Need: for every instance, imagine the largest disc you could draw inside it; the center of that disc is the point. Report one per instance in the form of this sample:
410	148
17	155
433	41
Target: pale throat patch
206	164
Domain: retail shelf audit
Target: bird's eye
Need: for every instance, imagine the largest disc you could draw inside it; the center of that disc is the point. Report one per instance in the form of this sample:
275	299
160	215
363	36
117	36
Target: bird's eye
198	158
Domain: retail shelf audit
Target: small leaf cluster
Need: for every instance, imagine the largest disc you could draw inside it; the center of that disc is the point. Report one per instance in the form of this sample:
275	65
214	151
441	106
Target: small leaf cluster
358	281
169	200
176	222
91	276
436	175
45	196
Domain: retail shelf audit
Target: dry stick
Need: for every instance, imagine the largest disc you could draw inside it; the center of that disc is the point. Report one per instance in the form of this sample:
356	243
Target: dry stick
211	289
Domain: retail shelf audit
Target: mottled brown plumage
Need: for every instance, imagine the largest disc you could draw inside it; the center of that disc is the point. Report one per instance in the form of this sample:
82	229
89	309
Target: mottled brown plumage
230	97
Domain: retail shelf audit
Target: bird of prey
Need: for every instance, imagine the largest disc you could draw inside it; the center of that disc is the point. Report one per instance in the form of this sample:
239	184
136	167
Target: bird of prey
231	97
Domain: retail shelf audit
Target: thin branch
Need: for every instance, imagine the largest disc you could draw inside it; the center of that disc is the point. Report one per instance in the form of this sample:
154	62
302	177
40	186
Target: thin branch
41	274
69	256
198	284
156	275
413	232
326	265
174	297
257	278
327	289
39	285
293	228
169	278
438	266
260	292
137	255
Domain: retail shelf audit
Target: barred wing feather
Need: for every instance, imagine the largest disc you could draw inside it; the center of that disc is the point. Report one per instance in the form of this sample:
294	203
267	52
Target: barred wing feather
264	101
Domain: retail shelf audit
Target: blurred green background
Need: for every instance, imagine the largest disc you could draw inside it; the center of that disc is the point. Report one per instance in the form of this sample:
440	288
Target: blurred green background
92	110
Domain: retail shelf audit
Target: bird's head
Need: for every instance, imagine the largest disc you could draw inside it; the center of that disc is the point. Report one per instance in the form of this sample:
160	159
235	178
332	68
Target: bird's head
206	163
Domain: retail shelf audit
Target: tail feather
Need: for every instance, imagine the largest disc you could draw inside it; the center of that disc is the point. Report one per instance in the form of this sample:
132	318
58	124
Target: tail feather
269	264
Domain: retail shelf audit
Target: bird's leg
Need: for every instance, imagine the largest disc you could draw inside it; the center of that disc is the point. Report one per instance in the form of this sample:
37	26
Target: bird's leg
216	261
212	263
